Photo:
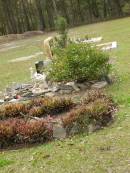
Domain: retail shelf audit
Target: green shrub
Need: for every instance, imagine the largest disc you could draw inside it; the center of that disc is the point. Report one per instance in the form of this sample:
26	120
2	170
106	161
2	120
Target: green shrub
61	27
79	62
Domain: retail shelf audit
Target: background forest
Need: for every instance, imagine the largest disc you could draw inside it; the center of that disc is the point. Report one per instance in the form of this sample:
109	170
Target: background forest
18	16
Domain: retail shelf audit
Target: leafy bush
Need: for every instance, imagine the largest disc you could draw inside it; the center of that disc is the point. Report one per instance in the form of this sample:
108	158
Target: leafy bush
15	131
79	62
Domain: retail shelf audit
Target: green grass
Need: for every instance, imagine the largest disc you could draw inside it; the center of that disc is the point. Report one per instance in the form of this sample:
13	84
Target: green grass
106	151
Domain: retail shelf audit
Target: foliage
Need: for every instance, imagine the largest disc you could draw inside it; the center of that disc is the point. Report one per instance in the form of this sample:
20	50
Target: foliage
12	110
61	27
40	15
14	131
98	111
79	62
5	162
51	107
93	95
37	108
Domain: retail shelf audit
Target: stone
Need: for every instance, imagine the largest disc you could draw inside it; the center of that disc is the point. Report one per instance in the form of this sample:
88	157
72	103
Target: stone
65	87
50	94
1	101
82	86
99	85
13	101
73	85
65	91
58	131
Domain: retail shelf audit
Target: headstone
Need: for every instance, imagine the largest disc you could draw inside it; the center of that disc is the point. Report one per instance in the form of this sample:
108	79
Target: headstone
58	131
39	66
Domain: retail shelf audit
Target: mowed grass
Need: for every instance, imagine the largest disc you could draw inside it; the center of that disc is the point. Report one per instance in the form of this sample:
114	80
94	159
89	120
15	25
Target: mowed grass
106	151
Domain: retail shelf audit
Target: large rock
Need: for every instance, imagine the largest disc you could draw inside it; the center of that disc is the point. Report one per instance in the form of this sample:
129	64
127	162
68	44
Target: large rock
83	86
65	89
73	85
58	131
99	85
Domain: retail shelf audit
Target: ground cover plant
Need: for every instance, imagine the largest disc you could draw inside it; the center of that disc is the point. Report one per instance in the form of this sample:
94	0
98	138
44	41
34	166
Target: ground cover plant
107	150
22	123
97	111
37	108
19	131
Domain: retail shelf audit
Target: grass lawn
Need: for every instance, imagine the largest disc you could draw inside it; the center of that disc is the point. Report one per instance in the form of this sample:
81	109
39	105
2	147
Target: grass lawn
106	151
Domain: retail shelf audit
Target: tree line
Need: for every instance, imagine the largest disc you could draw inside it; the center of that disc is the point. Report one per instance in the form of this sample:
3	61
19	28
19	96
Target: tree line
18	16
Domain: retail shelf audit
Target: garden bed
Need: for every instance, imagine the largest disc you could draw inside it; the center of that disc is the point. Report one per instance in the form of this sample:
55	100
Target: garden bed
43	119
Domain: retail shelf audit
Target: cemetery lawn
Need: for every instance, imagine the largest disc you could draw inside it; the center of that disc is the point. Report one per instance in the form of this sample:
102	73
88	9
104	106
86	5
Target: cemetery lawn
106	151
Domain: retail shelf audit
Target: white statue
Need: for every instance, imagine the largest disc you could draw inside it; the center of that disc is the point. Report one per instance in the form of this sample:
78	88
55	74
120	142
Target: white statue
39	81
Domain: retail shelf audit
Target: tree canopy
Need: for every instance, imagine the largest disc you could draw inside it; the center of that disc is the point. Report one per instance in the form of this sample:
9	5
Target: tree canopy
18	16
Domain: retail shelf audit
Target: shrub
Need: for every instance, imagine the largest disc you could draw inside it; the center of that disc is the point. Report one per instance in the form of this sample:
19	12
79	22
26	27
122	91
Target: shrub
99	112
15	131
93	95
56	106
50	106
33	131
12	110
36	108
7	132
76	121
37	102
79	62
36	112
61	27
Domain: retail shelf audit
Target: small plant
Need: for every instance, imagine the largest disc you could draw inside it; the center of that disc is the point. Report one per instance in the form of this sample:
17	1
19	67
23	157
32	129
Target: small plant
61	27
19	131
76	121
36	108
93	95
56	106
51	107
12	110
98	111
79	62
37	102
36	112
33	131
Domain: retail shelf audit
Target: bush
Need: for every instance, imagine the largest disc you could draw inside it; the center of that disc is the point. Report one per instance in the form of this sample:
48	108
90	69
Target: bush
51	107
36	108
19	131
12	110
93	95
79	62
61	27
98	112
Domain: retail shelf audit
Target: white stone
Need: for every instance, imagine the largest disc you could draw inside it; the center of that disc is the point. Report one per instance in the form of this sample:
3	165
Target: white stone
99	85
73	85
